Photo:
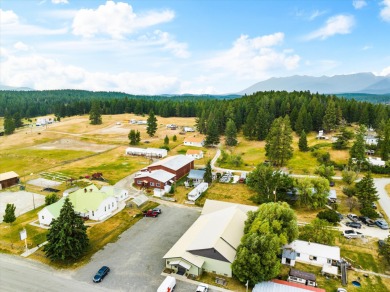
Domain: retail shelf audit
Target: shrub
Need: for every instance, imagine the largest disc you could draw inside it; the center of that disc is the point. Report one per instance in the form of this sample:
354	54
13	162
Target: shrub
166	147
349	191
51	199
329	215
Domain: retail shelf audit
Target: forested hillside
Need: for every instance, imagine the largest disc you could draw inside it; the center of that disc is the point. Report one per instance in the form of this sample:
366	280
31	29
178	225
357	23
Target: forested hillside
253	114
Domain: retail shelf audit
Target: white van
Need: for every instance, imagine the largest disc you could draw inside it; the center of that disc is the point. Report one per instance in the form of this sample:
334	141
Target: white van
168	285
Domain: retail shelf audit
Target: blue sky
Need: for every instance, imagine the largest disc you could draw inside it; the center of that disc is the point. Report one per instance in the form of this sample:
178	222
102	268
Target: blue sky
153	47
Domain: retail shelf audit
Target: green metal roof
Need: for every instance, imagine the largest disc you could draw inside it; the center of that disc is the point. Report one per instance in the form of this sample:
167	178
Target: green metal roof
55	208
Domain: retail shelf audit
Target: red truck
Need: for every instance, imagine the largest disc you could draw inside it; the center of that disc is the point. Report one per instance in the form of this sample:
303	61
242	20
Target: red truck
150	213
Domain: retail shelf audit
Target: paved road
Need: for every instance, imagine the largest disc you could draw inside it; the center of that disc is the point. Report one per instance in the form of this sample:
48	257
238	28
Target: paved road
19	274
135	259
384	198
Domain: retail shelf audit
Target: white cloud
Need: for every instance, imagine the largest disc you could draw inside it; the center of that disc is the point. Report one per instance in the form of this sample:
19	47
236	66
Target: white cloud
339	24
385	11
366	47
316	14
116	20
167	42
41	73
59	1
20	46
359	4
385	72
254	58
11	25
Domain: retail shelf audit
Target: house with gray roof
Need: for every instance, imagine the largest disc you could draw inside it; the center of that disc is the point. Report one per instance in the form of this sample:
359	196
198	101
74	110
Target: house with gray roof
211	243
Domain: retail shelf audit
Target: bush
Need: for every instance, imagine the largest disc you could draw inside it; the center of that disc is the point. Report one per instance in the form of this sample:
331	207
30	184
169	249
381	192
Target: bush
166	147
51	199
329	215
349	191
369	212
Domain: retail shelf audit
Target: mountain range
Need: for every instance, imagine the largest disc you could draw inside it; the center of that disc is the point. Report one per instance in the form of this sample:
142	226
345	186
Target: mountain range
352	83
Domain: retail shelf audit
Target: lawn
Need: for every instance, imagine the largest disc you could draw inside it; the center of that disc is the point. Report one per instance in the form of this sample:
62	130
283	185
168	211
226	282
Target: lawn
25	161
10	239
114	164
232	283
208	153
101	234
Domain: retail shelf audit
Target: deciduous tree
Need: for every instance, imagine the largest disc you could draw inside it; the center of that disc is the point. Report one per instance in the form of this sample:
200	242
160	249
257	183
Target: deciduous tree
51	199
67	237
318	231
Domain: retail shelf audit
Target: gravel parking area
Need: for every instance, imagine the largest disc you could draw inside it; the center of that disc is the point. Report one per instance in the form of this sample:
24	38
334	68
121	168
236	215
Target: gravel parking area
135	259
23	201
372	231
44	183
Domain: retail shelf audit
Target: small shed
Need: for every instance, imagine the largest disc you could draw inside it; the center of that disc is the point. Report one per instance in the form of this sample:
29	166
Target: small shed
140	200
8	179
301	277
332	196
196	154
198	191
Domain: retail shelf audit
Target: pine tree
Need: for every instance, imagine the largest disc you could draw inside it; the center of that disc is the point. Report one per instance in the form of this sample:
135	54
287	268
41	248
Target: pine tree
174	138
358	149
302	144
17	120
67	237
152	124
262	124
279	139
249	129
366	191
208	176
9	125
166	140
9	215
212	134
95	115
231	133
384	141
330	119
132	137
300	123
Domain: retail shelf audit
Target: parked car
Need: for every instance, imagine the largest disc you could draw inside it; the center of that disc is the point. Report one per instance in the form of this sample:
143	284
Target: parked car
382	224
354	225
150	213
353	217
103	271
202	288
367	221
157	210
351	233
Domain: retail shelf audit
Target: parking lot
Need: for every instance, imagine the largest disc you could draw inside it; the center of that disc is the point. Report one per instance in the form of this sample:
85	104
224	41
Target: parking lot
372	231
135	259
23	201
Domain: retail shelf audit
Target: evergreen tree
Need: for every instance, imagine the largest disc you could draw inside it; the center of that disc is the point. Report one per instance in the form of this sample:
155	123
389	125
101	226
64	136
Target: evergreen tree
9	215
51	199
330	119
208	176
152	124
95	115
262	124
384	141
67	237
9	125
279	139
137	137
342	139
231	133
201	123
17	120
366	191
212	134
166	140
385	249
249	129
302	144
174	138
300	123
358	149
132	137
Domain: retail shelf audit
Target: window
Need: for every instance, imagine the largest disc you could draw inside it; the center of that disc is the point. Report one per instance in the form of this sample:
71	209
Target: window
329	261
157	184
93	213
108	206
113	204
105	209
313	258
151	184
139	182
298	254
43	217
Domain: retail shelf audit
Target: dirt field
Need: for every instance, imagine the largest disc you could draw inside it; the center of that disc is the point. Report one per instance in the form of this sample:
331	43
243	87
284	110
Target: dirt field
23	201
71	144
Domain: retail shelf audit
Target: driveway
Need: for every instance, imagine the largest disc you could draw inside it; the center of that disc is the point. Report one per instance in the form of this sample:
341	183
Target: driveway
23	201
135	259
384	198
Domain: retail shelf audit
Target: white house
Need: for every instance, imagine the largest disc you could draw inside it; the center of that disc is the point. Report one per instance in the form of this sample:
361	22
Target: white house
211	243
194	141
87	202
188	129
376	161
118	193
371	140
142	122
310	253
196	176
196	154
321	135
